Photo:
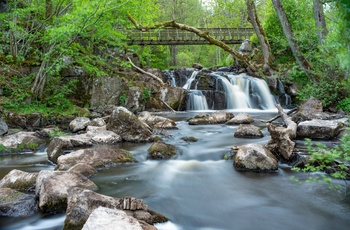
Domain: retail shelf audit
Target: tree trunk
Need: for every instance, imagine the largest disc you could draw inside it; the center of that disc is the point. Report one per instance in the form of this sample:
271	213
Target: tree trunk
203	34
259	31
320	20
173	52
288	33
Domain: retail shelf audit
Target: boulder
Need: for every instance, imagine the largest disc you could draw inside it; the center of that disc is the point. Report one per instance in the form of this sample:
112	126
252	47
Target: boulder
94	135
156	121
100	135
248	131
78	124
128	126
254	157
160	150
106	218
241	118
96	157
84	169
197	66
20	139
19	180
58	145
219	117
99	122
320	129
17	204
24	121
3	127
52	189
311	109
82	202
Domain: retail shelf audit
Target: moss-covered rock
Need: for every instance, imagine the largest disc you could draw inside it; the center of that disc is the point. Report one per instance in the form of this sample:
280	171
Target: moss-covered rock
160	150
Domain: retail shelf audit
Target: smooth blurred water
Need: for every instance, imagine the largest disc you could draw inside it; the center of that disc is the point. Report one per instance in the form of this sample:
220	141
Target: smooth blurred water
198	190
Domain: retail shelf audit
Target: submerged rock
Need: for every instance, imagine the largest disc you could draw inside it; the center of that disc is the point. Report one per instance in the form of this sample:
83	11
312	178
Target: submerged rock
96	157
248	131
17	204
254	157
219	117
160	150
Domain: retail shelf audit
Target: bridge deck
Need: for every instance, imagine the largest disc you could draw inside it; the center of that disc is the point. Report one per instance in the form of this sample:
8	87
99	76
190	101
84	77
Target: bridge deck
172	36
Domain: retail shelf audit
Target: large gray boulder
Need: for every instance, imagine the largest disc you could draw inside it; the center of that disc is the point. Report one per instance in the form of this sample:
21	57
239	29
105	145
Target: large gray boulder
219	117
52	189
94	135
241	118
17	204
82	202
254	157
248	131
157	121
20	139
96	157
78	124
128	126
106	218
320	129
310	109
3	127
84	169
19	180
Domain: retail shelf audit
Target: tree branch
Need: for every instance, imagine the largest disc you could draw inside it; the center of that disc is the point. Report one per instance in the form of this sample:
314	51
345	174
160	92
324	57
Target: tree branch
147	73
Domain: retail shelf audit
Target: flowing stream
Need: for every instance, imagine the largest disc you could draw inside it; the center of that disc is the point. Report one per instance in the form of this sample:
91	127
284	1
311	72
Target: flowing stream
198	190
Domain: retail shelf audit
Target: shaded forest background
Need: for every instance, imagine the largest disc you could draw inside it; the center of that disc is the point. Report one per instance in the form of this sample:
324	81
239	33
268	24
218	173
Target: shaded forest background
50	36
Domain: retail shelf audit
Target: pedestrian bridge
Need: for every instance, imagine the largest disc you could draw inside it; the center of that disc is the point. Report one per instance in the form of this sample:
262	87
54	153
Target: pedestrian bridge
172	36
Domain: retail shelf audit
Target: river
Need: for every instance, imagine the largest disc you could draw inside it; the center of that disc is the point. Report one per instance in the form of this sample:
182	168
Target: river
199	190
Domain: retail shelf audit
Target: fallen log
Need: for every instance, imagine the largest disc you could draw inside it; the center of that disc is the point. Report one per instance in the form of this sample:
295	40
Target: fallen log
281	143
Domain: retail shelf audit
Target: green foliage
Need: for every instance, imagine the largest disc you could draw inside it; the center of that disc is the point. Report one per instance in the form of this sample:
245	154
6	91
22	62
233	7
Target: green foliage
326	90
324	159
146	94
344	104
56	132
122	99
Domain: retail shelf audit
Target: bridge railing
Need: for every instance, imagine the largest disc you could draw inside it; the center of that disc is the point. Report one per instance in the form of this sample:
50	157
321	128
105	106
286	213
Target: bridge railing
172	36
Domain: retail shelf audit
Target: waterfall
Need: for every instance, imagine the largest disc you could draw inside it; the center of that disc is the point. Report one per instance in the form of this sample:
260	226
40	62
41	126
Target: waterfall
190	80
169	75
283	98
196	101
235	97
246	92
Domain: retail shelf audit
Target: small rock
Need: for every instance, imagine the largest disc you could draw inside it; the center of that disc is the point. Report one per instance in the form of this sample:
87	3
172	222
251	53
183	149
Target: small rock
248	131
160	150
78	124
241	118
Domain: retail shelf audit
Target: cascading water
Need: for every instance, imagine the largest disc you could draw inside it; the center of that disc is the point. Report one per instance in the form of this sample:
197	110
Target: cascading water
196	101
245	92
190	80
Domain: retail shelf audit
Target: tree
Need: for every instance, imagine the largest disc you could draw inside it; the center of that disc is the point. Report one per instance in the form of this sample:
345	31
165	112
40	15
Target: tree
320	20
260	32
288	32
